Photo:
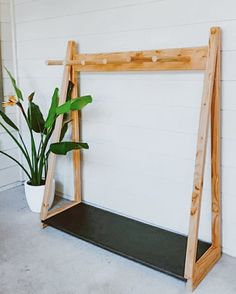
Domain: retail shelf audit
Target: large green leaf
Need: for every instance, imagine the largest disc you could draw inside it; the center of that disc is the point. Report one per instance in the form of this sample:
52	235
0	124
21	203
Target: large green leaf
35	118
52	111
8	120
62	148
13	81
74	104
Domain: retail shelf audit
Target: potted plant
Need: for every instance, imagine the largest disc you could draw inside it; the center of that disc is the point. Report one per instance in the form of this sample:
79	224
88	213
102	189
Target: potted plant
36	155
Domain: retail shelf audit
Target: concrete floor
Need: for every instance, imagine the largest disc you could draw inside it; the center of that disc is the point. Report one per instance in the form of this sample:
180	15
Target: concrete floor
46	261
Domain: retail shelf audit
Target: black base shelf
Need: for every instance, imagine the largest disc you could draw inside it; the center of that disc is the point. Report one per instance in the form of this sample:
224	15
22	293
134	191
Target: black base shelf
157	248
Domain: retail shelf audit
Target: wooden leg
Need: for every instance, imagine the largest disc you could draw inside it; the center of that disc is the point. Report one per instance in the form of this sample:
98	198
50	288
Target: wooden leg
215	156
56	134
191	267
76	136
213	254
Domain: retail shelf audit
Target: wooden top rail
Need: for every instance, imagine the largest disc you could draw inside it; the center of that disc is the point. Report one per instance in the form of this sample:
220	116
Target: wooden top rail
154	60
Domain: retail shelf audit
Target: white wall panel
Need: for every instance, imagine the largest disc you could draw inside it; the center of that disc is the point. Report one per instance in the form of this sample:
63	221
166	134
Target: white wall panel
9	171
9	176
4	12
141	127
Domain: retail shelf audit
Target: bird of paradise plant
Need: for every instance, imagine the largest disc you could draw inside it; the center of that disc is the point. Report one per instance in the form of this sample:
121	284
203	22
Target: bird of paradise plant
36	156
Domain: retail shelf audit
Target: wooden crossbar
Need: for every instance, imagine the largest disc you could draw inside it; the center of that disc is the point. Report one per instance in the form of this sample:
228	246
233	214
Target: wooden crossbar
207	59
152	60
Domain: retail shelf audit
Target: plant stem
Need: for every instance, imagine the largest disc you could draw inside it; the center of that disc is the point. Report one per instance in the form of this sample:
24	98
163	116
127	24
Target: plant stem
26	150
40	145
42	157
33	147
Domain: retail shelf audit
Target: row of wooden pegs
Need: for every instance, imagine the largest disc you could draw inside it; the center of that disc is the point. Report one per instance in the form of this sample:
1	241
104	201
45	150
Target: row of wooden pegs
129	59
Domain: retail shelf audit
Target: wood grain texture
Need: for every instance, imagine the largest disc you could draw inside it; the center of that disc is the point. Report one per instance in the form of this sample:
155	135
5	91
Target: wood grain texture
203	266
151	60
213	254
201	153
76	134
215	153
56	133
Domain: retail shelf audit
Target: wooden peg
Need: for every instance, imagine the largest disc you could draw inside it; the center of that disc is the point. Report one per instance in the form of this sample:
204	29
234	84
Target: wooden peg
154	58
54	62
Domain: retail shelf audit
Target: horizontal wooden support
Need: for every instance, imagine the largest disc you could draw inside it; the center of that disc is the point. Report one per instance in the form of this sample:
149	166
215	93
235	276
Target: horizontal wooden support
60	209
137	59
152	60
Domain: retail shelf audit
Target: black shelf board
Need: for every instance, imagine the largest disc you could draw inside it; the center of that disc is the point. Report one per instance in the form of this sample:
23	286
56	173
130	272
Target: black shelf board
154	247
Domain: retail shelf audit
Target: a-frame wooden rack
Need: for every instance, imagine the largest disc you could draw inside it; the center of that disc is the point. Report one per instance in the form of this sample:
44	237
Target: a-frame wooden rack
184	257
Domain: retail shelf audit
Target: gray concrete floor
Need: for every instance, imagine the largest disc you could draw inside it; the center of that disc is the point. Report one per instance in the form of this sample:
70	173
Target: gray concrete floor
35	260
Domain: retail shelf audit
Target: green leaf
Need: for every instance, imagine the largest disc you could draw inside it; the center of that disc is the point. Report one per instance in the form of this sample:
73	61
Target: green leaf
13	81
69	90
68	98
81	102
62	148
8	120
31	97
74	104
35	118
64	130
64	108
52	111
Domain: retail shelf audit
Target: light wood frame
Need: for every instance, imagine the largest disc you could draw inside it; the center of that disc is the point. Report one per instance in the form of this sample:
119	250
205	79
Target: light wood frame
205	58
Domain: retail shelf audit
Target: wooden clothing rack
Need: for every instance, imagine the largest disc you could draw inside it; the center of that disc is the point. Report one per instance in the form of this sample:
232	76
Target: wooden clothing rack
184	257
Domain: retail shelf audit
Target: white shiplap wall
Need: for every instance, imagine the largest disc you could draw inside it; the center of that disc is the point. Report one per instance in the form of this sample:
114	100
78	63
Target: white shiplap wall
141	127
9	172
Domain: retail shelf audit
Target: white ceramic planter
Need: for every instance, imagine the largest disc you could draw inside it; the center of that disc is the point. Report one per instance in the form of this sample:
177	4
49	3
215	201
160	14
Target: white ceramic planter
34	196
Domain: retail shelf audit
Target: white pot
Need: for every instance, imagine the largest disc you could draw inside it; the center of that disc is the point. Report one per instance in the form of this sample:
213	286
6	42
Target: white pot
34	196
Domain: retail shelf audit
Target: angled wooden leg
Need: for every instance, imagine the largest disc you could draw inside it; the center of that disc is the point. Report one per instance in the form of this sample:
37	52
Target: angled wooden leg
215	155
191	267
76	135
56	133
213	254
